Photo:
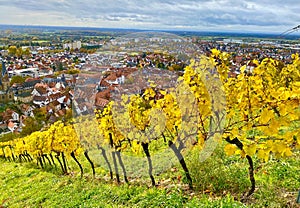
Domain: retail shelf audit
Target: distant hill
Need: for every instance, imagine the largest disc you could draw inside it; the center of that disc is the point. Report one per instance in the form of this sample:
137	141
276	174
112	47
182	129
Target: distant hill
21	28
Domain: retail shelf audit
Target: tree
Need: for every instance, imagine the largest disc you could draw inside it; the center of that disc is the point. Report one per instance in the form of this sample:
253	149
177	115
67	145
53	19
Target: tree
262	115
160	65
176	67
27	52
19	52
60	66
113	137
40	114
31	125
17	79
12	50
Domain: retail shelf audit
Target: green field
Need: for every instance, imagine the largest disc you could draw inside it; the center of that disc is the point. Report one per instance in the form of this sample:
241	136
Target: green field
220	181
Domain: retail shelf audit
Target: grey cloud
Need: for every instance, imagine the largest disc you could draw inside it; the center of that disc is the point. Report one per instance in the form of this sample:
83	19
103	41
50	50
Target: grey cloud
200	14
34	5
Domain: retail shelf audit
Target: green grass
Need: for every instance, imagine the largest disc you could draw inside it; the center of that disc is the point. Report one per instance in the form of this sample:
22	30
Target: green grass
277	181
25	186
220	181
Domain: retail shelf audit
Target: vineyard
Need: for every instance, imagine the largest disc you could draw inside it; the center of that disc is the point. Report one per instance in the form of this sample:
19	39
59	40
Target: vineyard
256	114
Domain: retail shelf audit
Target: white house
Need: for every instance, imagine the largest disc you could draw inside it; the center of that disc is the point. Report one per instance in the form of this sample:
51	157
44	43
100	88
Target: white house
41	100
12	126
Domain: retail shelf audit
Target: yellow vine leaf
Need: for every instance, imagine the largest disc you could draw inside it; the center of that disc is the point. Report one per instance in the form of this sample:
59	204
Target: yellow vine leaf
230	149
274	126
263	154
266	116
250	149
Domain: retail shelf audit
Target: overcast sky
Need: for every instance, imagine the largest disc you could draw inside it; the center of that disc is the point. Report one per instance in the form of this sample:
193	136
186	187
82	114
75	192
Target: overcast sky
203	15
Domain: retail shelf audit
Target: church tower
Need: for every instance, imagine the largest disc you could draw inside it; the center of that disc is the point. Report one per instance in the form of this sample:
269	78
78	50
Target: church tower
4	80
6	95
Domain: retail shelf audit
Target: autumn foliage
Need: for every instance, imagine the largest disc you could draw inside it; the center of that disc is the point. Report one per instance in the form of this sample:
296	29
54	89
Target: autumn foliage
255	112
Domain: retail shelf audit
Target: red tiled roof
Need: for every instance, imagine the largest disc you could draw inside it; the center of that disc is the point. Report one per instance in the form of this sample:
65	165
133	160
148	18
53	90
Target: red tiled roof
103	94
52	84
29	79
66	98
55	96
101	102
41	88
7	114
10	124
39	98
104	83
61	112
111	77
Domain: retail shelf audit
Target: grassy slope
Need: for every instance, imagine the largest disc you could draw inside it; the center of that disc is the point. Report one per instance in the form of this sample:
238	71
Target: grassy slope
24	185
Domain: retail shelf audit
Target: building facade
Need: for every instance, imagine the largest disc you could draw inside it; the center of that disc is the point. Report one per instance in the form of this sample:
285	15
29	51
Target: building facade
6	95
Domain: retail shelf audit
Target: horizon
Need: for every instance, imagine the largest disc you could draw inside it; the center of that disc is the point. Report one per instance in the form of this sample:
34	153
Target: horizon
243	33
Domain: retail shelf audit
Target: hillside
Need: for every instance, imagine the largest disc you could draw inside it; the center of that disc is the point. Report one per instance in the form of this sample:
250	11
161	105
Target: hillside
25	185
